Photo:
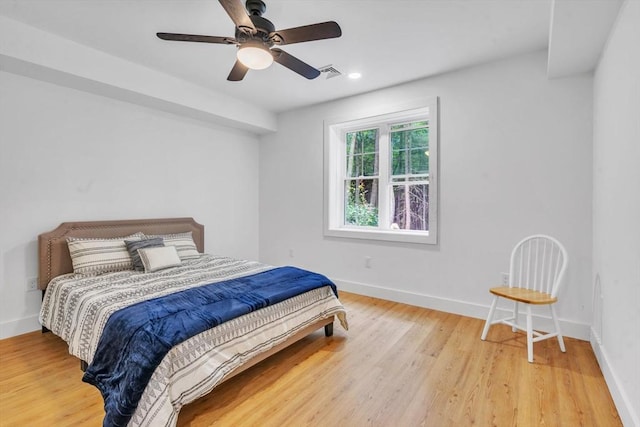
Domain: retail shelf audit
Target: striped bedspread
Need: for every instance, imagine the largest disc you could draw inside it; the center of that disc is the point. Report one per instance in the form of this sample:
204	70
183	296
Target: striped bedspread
77	307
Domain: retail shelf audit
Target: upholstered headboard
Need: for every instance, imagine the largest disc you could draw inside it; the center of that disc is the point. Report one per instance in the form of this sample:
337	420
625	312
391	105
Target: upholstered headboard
53	253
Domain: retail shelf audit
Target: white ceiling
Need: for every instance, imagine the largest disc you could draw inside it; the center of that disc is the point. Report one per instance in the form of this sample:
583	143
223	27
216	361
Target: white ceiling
389	42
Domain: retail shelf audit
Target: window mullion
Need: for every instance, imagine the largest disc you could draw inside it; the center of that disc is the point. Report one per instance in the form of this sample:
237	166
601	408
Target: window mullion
383	183
342	178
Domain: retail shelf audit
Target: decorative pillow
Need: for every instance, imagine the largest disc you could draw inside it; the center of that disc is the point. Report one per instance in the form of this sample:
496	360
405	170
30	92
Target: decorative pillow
159	258
97	256
183	242
134	245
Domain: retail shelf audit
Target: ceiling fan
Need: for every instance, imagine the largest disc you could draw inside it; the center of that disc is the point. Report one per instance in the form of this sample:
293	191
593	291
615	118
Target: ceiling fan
255	37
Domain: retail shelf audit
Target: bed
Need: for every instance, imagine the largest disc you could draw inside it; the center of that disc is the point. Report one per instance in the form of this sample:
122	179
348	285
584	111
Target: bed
84	308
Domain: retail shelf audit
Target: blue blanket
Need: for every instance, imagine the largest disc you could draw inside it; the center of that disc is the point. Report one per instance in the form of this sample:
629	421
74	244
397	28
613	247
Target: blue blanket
136	338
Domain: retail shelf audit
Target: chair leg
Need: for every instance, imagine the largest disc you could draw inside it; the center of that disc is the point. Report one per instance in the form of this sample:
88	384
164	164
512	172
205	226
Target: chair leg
529	335
557	324
515	316
487	324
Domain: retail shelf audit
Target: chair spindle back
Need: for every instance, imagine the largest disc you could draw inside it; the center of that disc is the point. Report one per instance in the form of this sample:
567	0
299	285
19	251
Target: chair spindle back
538	263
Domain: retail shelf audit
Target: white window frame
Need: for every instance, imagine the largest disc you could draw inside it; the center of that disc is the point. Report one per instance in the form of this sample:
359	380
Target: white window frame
335	130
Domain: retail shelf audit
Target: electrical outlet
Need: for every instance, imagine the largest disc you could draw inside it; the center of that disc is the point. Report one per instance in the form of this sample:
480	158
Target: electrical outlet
504	279
32	284
367	262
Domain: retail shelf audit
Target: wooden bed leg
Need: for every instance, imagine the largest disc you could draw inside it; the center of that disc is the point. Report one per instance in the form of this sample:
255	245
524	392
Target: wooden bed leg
83	365
328	330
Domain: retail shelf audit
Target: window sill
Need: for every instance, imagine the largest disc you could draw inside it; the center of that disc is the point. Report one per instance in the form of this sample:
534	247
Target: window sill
425	238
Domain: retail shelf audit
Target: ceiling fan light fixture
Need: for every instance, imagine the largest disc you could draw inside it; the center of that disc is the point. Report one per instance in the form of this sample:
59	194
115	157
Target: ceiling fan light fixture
255	56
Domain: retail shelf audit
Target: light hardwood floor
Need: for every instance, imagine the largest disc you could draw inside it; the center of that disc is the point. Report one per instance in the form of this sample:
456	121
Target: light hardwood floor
398	365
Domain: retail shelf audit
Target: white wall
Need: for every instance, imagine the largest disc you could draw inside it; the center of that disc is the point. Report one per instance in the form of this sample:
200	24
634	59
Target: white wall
616	212
515	159
32	52
68	155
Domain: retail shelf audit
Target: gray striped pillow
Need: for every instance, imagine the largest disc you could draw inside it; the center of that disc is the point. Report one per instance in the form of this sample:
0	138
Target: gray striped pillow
134	245
183	242
97	256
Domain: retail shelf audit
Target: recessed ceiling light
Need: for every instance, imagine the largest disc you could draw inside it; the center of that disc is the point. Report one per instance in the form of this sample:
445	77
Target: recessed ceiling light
354	76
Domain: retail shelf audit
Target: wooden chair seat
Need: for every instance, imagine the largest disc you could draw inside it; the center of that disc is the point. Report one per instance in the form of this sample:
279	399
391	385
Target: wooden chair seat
526	296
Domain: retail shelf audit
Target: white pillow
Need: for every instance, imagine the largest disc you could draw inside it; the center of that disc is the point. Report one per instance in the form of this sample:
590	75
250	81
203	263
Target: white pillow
159	258
96	256
183	242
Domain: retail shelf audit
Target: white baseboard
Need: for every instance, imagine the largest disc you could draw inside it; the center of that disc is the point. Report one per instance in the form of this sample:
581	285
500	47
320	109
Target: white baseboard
464	308
15	327
626	410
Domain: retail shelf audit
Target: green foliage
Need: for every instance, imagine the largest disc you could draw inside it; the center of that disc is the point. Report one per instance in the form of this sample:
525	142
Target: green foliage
357	210
362	153
409	151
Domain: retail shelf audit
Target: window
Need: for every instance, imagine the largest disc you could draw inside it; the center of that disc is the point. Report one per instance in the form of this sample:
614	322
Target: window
381	176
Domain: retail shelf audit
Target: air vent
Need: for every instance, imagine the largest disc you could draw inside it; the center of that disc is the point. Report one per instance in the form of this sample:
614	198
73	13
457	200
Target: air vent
329	71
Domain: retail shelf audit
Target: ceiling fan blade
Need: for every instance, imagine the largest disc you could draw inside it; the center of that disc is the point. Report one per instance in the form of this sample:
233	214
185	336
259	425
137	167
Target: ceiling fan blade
237	72
321	31
238	14
196	38
294	64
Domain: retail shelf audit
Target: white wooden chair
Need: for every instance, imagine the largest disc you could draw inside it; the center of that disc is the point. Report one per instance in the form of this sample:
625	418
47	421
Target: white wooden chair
536	270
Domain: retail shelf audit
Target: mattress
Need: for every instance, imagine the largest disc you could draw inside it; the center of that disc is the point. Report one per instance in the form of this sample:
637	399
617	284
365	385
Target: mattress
77	307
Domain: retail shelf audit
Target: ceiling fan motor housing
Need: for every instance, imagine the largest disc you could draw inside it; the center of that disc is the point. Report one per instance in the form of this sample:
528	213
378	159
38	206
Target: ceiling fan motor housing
255	7
263	26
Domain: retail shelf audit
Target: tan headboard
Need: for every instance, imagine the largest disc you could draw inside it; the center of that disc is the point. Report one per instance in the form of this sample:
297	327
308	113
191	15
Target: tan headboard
53	253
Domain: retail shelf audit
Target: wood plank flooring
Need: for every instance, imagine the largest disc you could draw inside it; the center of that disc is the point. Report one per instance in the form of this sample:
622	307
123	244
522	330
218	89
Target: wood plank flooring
398	365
